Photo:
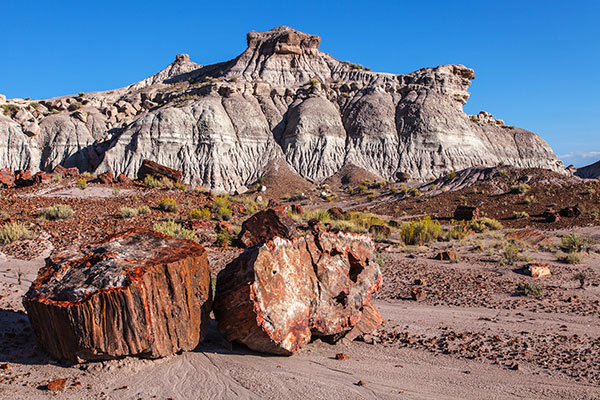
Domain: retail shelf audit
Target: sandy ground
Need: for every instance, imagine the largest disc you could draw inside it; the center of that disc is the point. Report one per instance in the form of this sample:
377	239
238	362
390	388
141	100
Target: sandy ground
217	370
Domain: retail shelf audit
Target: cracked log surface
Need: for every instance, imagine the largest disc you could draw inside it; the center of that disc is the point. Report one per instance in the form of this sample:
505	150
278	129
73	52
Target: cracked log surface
274	297
135	293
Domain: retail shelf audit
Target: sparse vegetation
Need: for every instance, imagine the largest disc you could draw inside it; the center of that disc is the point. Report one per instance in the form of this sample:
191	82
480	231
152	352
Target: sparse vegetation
56	178
171	228
380	261
451	175
223	214
88	175
13	231
81	183
223	239
59	211
167	204
420	231
572	257
480	225
151	182
520	188
143	210
510	255
520	214
179	186
200	214
530	289
574	242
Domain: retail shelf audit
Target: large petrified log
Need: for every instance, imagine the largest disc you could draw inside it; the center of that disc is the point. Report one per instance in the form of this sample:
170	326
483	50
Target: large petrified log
158	171
274	297
135	293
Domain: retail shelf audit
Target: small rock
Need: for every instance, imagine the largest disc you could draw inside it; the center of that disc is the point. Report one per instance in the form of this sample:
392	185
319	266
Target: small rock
5	366
449	255
342	356
57	384
360	383
417	294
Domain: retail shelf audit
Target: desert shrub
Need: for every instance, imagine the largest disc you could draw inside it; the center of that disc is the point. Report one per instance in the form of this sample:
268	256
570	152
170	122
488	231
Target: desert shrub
529	200
595	215
363	220
200	214
574	242
171	228
572	257
482	224
220	202
451	175
530	289
347	226
420	231
179	186
380	261
167	204
13	231
510	255
520	214
319	214
223	214
59	211
473	119
458	230
166	182
56	178
81	183
88	175
143	210
414	192
151	182
116	191
371	196
223	239
128	212
520	188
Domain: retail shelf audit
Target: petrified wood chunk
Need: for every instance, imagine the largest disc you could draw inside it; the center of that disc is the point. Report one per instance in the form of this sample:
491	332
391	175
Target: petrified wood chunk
158	171
266	225
466	213
370	320
135	293
273	298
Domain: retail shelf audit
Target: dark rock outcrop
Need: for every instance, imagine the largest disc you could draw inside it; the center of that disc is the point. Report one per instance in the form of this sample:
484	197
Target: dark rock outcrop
158	171
135	293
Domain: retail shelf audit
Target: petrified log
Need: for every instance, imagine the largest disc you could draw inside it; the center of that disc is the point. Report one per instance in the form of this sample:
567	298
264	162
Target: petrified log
158	171
530	236
23	178
466	213
135	293
266	225
369	321
107	178
273	298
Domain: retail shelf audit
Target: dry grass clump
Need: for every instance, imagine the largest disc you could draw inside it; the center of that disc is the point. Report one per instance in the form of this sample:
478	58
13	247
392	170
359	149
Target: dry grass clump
480	225
13	231
167	204
200	214
173	229
59	211
420	231
151	182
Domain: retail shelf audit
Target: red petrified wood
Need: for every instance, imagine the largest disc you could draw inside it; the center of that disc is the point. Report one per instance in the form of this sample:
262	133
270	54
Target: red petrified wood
158	171
273	298
266	225
135	293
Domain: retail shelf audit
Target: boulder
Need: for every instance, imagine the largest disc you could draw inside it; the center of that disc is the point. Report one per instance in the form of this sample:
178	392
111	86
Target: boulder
32	129
466	213
370	320
134	293
23	178
275	297
122	178
7	178
402	177
266	225
550	215
570	212
107	178
448	255
66	172
538	270
158	171
42	177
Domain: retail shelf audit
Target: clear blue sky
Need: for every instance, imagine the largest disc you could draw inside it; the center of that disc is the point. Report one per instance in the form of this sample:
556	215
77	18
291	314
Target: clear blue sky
537	62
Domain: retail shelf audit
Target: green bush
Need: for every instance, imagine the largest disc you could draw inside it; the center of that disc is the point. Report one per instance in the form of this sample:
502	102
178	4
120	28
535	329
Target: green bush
81	183
179	186
143	210
520	188
167	204
520	214
151	182
510	255
128	212
220	202
458	230
573	242
223	239
572	257
451	175
482	224
13	231
59	211
223	214
200	214
171	228
420	231
380	261
530	289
